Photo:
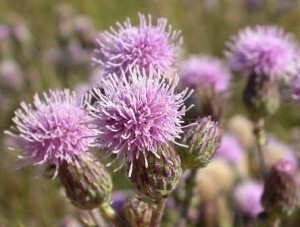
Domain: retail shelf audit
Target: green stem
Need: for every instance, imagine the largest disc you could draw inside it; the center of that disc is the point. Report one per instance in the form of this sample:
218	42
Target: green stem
158	213
189	185
259	133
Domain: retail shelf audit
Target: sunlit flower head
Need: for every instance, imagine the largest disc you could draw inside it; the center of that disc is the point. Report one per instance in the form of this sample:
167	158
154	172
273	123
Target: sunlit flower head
145	45
137	115
51	130
262	49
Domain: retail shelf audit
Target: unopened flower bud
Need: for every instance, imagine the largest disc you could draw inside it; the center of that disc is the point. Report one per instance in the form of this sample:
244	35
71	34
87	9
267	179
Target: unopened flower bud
154	176
203	138
86	181
261	96
280	196
138	213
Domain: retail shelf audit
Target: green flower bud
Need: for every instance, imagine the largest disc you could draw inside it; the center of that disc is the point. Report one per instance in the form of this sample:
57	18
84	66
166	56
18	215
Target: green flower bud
159	176
203	138
87	183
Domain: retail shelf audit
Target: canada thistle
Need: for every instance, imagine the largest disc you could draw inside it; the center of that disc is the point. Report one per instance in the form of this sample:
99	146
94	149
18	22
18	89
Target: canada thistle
210	78
51	131
87	183
265	54
157	177
203	138
138	116
280	196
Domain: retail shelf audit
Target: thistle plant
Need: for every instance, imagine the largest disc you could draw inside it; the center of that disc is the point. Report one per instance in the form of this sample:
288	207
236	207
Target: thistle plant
265	54
210	78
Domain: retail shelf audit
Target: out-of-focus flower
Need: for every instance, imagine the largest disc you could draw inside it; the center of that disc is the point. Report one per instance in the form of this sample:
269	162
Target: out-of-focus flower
253	4
230	150
4	40
138	213
51	131
281	194
64	22
82	89
19	31
117	201
214	180
276	150
137	115
247	197
205	71
10	75
84	30
70	222
142	46
242	129
203	138
266	50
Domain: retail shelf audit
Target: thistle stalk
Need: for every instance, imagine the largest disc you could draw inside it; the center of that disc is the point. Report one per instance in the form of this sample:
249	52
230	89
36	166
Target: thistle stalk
158	213
260	139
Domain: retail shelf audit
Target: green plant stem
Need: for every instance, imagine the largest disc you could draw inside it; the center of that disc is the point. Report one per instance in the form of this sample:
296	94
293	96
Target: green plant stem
189	184
260	138
158	213
110	215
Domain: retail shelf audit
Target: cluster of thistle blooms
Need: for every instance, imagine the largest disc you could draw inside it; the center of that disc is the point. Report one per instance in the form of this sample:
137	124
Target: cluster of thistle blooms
136	113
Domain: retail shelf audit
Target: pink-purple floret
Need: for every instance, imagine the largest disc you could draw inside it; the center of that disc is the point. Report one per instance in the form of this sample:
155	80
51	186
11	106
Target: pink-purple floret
262	49
137	115
247	197
52	130
205	71
143	46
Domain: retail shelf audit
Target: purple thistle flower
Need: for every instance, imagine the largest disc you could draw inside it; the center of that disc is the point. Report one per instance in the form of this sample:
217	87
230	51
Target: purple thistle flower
11	75
263	49
51	131
142	46
230	149
137	115
247	197
205	71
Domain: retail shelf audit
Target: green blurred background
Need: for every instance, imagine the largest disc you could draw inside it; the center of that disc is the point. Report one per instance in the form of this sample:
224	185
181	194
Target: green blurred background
205	25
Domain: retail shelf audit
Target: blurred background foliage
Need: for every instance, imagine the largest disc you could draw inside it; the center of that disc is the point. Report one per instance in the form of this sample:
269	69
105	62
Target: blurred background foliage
47	61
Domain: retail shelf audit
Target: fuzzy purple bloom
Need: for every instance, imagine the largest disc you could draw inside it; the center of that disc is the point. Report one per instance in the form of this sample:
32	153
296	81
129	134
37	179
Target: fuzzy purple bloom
205	71
230	149
142	46
137	115
263	49
52	130
247	197
10	75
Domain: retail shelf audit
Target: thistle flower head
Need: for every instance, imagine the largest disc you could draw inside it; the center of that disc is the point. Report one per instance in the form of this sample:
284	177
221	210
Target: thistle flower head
137	115
202	71
143	46
247	197
262	49
230	149
51	131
